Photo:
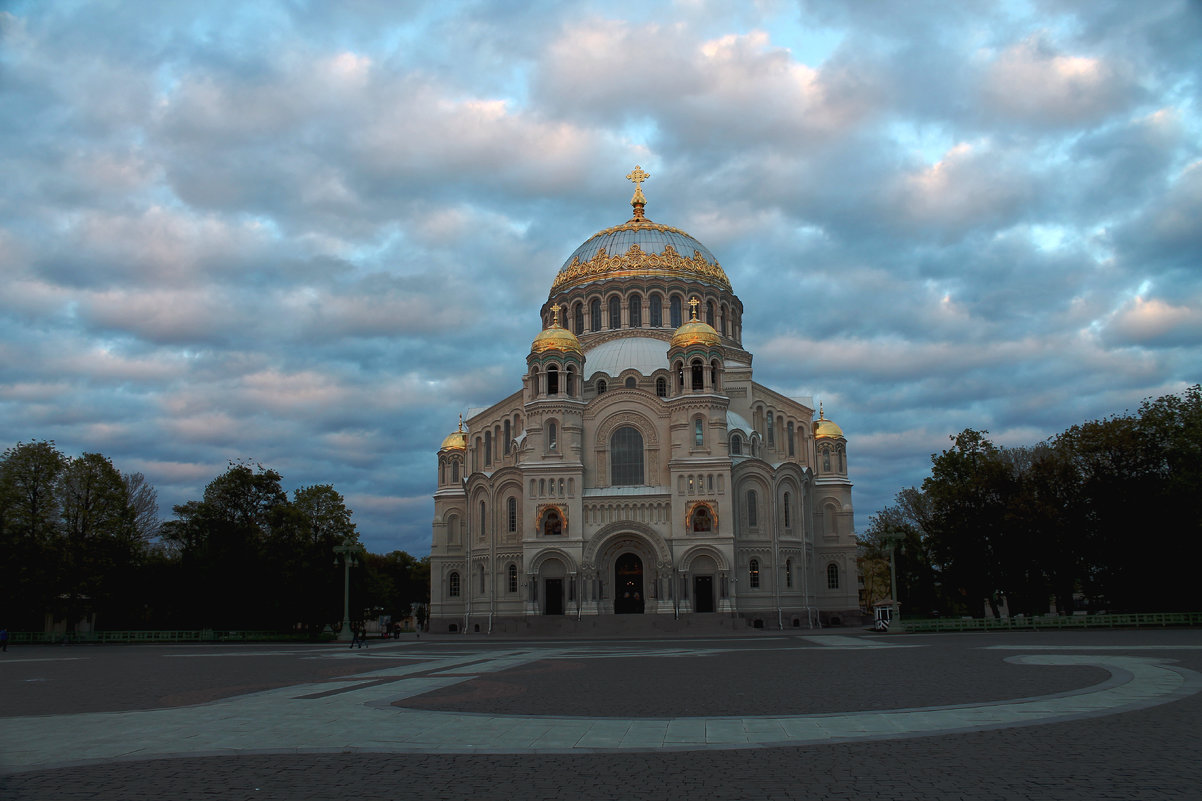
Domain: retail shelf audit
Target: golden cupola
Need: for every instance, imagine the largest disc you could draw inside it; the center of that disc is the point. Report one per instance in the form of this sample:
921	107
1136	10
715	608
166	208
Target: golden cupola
556	337
640	248
456	440
826	429
695	332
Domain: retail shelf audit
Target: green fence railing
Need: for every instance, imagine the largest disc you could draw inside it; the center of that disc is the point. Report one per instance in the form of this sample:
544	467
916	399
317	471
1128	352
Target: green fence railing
155	636
1134	620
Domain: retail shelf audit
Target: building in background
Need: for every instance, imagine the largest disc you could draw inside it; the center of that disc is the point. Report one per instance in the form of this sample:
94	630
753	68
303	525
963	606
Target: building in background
639	469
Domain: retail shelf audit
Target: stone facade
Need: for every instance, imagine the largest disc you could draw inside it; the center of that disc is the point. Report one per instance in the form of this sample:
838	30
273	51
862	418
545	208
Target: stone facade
640	469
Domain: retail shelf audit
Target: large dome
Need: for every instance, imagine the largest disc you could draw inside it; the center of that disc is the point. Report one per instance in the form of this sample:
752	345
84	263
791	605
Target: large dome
640	248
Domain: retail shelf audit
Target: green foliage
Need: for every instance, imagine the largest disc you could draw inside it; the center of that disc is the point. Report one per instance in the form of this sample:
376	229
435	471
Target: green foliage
1063	520
77	537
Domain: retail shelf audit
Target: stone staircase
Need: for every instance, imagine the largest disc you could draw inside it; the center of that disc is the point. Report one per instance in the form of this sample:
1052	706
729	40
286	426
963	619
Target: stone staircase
618	626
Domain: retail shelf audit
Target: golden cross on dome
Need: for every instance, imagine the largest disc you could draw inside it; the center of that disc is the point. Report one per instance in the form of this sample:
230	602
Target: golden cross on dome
461	422
555	310
637	176
693	304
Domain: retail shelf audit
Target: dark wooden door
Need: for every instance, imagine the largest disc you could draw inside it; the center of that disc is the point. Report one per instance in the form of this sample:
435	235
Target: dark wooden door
703	593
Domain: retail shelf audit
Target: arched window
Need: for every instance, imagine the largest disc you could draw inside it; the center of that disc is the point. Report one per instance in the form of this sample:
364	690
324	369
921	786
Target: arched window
709	313
791	450
481	574
661	387
615	312
832	576
578	318
626	457
657	311
826	459
601	386
788	572
698	432
785	501
714	375
512	514
513	577
771	432
570	389
636	311
753	515
594	315
698	375
631	382
552	440
487	447
675	311
534	381
454	470
722	318
483	520
736	445
553	380
508	437
453	585
840	460
753	573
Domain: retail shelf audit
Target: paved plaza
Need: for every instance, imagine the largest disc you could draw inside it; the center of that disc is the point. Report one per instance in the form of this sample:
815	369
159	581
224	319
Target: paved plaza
823	715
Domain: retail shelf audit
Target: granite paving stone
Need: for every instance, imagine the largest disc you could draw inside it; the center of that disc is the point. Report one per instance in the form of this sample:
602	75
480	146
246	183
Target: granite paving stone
848	715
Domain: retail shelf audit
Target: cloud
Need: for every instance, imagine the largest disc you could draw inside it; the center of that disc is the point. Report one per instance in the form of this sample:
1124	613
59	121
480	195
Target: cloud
1031	82
310	237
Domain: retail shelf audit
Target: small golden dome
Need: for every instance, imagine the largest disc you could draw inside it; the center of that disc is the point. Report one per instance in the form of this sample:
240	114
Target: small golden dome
556	337
457	440
826	429
695	332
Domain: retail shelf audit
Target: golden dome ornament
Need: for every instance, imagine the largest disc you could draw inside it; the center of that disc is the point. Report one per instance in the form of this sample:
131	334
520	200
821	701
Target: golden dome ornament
695	332
456	440
826	429
556	337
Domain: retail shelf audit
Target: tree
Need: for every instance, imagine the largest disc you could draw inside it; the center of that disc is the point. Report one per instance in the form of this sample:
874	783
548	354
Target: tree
222	540
29	522
143	506
320	520
898	528
968	491
97	534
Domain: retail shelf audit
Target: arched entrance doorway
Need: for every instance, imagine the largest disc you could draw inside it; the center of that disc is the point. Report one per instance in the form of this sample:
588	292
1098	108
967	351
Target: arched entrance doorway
628	585
703	569
552	574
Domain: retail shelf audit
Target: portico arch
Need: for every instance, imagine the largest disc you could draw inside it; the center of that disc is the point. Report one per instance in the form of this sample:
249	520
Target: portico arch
552	582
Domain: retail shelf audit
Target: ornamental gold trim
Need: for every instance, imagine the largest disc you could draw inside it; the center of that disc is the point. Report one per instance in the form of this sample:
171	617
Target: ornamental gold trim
692	510
540	515
636	261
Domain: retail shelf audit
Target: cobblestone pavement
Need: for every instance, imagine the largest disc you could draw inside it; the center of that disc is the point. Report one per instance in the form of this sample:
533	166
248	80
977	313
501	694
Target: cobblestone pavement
1089	715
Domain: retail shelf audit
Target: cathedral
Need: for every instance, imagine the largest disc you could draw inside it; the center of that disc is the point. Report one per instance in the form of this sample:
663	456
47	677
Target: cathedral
639	469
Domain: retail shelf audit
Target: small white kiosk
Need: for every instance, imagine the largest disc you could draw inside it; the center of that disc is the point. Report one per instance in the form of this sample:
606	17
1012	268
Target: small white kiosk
885	610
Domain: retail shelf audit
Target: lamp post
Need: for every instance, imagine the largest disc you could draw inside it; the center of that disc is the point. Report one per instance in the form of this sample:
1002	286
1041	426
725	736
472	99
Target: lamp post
893	539
347	551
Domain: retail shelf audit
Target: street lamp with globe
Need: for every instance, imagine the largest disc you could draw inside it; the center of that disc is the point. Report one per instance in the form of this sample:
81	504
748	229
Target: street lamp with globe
348	552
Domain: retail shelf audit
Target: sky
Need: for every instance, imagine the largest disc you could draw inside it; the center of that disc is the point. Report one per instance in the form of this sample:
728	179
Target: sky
309	235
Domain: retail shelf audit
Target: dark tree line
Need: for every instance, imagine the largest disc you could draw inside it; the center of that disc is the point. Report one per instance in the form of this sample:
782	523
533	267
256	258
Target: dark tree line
79	538
1101	516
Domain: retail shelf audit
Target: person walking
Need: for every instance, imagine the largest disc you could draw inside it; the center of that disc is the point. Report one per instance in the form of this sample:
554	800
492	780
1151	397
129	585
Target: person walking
4	639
